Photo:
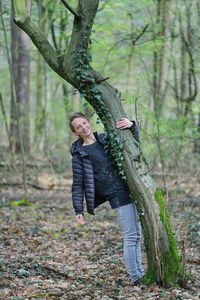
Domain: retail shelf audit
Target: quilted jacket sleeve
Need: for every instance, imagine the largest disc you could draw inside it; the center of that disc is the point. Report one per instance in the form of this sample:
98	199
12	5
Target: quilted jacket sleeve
78	184
135	131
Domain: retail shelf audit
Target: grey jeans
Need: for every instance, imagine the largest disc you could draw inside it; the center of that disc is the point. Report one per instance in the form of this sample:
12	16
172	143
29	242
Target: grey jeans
129	221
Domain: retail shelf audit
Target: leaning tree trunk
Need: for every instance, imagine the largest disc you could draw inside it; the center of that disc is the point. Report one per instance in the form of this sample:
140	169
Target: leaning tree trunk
164	266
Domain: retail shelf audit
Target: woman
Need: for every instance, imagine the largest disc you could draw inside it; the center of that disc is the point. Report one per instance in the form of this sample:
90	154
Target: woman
95	178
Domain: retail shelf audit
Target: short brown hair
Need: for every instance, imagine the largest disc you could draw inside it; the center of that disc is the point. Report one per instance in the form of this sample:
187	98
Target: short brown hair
74	116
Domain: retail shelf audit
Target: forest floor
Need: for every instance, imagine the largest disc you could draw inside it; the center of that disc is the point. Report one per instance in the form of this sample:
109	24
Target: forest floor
44	254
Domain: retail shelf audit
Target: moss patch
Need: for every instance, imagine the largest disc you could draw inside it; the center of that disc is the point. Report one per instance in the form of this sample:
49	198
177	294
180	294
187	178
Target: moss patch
150	276
171	264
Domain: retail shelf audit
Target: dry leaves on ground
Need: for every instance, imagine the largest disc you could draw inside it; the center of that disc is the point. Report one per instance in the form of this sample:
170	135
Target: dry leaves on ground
46	255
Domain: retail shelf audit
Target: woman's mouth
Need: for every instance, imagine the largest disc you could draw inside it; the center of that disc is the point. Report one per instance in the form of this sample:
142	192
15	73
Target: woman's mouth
86	131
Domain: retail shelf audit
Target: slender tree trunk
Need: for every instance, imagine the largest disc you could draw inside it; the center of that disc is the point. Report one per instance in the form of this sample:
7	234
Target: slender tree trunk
5	120
163	260
160	54
22	91
13	106
197	141
160	70
40	99
7	50
20	66
44	18
130	59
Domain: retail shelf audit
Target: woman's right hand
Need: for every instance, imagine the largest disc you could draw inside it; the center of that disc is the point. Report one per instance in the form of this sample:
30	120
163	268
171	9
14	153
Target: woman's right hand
79	219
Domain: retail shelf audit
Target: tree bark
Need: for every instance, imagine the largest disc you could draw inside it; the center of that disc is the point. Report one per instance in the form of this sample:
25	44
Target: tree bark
13	108
41	75
160	59
163	260
197	140
40	99
20	67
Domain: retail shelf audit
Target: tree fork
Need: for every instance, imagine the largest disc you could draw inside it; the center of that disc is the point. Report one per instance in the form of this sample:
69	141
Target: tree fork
164	266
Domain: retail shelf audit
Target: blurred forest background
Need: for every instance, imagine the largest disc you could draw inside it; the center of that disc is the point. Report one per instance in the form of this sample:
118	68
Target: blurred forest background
148	49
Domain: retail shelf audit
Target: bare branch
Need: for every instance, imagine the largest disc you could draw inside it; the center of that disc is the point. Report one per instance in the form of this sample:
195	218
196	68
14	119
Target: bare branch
192	96
101	80
103	6
128	38
21	184
139	35
70	8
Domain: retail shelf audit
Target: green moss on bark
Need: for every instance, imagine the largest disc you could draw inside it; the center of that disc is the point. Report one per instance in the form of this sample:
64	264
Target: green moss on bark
150	276
171	264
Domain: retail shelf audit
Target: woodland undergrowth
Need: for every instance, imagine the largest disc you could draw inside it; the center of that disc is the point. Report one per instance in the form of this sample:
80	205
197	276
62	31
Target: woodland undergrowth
46	255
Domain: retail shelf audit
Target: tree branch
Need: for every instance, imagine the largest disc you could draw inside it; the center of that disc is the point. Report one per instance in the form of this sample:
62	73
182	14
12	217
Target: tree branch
193	74
102	79
80	35
103	6
21	183
70	8
22	19
139	35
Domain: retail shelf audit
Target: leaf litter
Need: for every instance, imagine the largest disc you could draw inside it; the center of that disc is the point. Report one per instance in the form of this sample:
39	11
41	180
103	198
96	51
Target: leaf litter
45	255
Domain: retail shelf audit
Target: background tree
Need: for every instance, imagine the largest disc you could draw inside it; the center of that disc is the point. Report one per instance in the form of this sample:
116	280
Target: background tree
20	107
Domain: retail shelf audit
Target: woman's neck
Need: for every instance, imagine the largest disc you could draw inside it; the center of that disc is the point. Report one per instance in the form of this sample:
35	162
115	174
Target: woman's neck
89	140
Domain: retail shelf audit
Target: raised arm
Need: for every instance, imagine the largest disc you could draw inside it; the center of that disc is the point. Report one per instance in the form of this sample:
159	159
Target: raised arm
125	123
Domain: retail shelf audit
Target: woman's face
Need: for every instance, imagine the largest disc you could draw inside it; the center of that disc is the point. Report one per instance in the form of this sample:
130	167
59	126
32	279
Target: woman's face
82	127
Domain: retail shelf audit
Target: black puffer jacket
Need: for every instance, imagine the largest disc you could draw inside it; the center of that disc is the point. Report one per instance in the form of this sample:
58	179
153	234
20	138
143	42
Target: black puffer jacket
83	177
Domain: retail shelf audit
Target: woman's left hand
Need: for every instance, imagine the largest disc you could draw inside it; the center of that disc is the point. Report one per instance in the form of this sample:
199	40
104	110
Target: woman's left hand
123	123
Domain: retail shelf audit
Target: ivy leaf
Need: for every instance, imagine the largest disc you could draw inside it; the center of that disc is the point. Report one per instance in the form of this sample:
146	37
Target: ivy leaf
89	58
97	97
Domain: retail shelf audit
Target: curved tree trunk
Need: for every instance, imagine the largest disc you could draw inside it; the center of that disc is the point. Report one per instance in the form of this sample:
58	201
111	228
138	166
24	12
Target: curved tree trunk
163	260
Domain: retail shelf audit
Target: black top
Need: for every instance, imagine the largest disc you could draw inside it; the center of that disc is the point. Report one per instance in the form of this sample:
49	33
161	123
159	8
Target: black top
83	186
107	183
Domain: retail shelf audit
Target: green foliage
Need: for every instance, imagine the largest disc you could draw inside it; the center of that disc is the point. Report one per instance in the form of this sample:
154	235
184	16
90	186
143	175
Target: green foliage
89	91
116	27
115	45
116	150
23	202
174	139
